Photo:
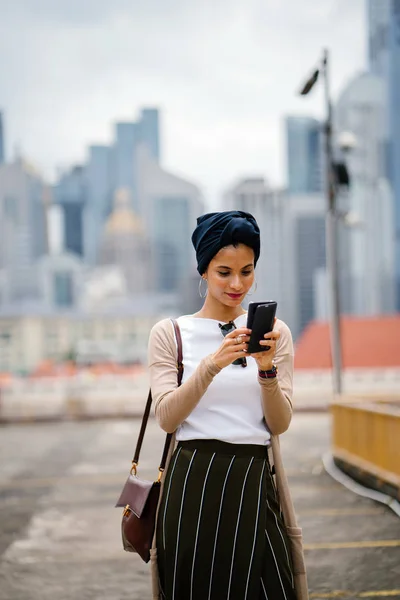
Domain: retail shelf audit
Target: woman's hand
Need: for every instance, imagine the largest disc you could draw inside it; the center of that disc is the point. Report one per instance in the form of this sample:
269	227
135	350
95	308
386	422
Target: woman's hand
265	359
233	347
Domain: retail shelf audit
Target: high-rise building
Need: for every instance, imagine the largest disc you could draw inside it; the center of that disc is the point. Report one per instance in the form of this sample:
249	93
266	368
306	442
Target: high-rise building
69	195
361	110
304	155
127	138
61	280
170	206
2	154
384	56
303	256
98	203
149	131
255	196
378	29
108	169
394	124
23	229
292	229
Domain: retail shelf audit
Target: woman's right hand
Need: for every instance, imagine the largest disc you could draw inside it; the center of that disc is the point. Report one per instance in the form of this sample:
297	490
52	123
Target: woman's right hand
232	348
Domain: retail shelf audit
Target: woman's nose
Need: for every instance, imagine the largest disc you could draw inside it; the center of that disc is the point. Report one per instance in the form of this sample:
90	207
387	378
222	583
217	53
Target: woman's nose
236	283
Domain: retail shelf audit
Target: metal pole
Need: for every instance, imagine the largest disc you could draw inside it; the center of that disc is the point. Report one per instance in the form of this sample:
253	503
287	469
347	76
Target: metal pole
331	240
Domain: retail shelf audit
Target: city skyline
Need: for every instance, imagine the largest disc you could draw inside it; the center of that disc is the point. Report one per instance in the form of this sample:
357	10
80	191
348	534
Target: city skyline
223	78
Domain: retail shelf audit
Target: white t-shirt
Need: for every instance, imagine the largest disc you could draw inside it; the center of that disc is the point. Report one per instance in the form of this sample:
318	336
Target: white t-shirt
231	408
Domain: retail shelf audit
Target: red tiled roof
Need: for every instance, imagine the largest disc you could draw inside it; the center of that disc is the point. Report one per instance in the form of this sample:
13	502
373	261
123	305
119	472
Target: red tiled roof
366	342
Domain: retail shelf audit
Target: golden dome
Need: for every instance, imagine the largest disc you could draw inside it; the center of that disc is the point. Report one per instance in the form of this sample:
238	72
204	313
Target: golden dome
122	218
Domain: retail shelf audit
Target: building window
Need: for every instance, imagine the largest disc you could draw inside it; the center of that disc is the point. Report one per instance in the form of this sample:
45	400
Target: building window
63	289
10	208
129	336
51	339
5	338
109	332
87	331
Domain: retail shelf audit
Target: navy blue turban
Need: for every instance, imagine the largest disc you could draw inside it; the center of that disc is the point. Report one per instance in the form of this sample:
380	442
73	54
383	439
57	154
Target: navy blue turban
217	230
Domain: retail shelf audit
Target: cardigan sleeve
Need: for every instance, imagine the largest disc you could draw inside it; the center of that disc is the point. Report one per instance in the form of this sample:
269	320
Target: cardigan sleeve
277	391
174	404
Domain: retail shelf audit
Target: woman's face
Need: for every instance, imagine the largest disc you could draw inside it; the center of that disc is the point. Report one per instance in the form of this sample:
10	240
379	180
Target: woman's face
230	274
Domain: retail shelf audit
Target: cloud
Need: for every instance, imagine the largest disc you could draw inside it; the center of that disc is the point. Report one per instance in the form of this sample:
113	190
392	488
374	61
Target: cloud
224	72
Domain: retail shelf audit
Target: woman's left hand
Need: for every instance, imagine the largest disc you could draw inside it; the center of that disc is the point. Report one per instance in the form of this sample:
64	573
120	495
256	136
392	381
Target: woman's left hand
264	360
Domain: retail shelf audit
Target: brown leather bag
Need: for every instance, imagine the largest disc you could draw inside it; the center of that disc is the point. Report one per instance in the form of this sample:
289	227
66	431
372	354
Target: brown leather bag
139	497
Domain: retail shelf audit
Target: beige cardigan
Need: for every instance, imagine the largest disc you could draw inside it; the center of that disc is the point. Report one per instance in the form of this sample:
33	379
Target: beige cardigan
173	404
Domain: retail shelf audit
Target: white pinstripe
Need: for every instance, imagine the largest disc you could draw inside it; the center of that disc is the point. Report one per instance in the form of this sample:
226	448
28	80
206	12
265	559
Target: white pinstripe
198	525
263	587
217	529
276	564
277	524
284	543
179	523
255	529
167	496
237	526
271	477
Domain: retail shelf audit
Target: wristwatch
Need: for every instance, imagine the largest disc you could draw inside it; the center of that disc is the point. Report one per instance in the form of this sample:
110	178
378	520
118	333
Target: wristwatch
268	374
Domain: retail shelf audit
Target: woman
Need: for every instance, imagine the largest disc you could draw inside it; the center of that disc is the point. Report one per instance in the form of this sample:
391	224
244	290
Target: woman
220	532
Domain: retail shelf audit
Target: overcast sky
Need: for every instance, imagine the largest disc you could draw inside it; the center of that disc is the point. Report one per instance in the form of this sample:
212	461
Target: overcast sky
223	72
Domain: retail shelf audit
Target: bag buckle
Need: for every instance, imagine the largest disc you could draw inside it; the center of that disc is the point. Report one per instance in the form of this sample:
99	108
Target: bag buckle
134	468
127	510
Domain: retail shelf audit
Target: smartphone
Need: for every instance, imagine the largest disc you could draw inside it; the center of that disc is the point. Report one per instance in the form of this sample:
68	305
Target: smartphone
260	319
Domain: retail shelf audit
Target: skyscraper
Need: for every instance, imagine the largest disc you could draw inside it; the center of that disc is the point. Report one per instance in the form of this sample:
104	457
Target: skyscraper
384	56
149	131
1	139
90	192
23	230
123	166
304	155
98	203
361	110
69	194
378	29
128	137
255	196
303	256
170	206
394	124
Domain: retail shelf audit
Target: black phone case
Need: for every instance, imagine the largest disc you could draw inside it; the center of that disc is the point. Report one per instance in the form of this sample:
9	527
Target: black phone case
263	322
251	310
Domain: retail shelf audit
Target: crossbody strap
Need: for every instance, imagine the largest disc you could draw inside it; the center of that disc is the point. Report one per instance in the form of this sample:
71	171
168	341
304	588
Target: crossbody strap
135	460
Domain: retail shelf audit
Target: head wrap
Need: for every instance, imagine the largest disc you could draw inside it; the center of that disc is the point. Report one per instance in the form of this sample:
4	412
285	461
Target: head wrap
217	230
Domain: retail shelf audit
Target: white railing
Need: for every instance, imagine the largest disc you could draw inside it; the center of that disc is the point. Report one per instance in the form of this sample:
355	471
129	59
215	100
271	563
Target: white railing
77	396
116	394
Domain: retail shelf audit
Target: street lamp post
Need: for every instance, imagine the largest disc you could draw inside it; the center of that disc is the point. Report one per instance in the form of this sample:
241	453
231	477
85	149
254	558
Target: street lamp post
331	225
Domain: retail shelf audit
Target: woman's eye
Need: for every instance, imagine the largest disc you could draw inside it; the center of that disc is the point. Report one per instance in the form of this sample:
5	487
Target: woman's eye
223	274
247	272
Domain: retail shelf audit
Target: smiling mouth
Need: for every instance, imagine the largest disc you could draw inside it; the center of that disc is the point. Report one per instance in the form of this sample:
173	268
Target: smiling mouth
235	295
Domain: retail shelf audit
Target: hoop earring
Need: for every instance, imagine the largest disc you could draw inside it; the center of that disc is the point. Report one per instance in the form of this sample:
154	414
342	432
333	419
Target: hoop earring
251	293
200	294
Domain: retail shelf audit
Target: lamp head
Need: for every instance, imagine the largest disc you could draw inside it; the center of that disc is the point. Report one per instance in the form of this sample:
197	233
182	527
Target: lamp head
308	86
347	141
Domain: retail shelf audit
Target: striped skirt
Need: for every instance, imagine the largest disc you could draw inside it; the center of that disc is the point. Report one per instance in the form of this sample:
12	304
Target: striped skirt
220	532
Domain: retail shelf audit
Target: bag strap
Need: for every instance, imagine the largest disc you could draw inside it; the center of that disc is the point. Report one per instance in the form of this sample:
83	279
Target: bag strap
135	460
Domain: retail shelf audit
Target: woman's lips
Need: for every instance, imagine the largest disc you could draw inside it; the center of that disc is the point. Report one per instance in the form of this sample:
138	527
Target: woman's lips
235	296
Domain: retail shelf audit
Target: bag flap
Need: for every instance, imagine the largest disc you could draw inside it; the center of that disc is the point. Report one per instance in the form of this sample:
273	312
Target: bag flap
135	493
